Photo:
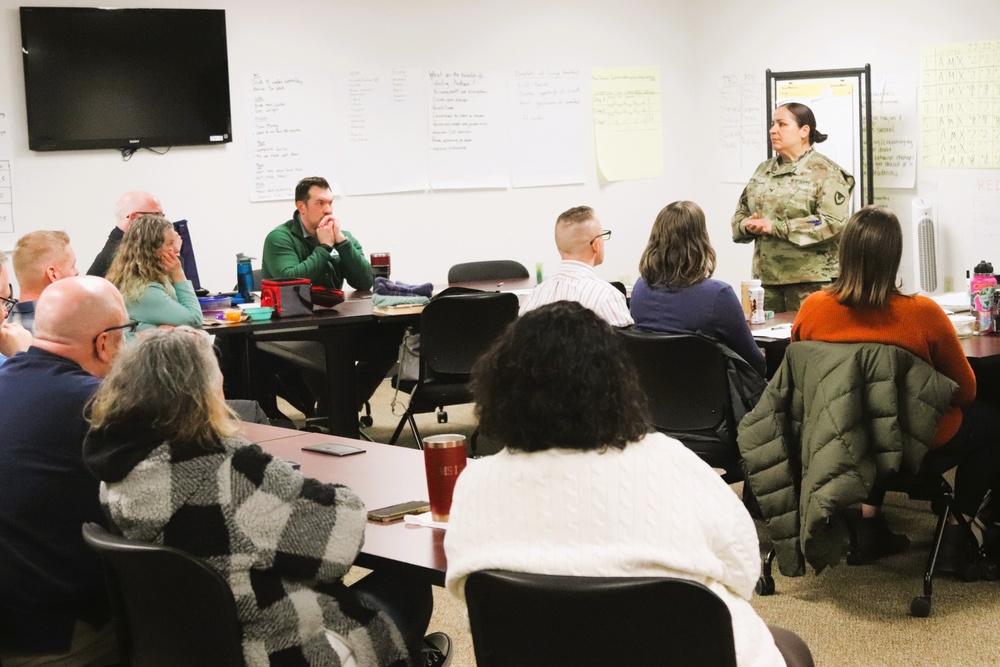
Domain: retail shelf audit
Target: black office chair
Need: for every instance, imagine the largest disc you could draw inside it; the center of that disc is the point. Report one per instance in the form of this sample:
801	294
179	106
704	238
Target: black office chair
170	608
454	333
528	620
497	269
929	485
306	357
685	381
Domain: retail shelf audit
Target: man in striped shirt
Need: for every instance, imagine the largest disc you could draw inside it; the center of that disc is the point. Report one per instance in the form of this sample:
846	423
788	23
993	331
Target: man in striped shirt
580	240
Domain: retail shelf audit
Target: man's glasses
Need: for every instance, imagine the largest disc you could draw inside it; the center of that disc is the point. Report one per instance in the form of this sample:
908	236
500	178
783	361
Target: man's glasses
606	234
129	327
8	304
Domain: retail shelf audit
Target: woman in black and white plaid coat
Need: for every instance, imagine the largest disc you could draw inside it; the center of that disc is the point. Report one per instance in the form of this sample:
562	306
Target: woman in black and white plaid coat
164	445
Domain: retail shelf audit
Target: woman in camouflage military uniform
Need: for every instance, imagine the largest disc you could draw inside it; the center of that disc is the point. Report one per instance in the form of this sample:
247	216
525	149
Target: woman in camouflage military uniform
793	209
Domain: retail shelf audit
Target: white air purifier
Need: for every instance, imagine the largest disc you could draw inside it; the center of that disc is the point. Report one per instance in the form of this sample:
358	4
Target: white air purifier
925	248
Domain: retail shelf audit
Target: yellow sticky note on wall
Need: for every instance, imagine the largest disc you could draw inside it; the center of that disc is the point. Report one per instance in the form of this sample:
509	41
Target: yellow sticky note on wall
628	122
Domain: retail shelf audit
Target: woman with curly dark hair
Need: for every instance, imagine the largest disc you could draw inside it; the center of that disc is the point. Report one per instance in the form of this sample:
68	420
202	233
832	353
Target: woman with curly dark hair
583	487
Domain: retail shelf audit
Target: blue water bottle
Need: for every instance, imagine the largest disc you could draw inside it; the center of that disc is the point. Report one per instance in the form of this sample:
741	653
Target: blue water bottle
244	277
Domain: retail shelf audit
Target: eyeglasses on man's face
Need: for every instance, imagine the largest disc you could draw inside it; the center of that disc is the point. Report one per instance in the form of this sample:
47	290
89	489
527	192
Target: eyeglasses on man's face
8	302
606	234
128	327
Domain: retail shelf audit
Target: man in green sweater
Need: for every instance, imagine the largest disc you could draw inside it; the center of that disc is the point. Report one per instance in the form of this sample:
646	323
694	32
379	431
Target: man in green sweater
312	245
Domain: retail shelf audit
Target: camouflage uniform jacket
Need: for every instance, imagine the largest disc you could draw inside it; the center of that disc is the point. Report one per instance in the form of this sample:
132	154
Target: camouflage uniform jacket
807	201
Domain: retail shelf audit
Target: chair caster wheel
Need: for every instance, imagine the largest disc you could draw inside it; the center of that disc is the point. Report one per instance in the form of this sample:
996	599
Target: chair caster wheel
442	417
921	606
367	421
989	570
765	586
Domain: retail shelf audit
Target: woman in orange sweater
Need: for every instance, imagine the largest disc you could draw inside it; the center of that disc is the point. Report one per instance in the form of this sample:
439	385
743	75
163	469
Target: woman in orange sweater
864	304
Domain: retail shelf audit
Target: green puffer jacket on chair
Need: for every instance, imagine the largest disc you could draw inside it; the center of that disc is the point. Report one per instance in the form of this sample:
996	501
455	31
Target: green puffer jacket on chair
835	417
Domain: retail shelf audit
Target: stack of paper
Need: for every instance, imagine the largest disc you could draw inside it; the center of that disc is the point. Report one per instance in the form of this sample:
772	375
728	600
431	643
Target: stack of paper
778	331
956	302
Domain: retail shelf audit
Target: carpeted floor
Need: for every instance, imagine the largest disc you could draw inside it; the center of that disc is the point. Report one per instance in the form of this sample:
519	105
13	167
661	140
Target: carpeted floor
849	616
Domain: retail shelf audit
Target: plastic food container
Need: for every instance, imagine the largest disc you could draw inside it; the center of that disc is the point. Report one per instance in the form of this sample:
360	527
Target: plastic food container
214	303
259	313
965	325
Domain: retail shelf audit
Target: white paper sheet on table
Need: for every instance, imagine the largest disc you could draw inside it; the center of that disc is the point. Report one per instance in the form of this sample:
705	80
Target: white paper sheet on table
779	331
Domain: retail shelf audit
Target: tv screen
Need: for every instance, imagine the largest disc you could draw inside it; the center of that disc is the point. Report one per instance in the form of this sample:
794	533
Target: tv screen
125	78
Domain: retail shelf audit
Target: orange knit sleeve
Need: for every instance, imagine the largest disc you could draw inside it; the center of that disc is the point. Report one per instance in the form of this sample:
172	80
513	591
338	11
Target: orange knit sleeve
947	355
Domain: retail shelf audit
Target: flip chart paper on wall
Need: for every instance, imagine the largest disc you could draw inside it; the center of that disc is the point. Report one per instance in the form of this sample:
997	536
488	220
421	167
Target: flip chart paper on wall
468	133
546	127
743	126
6	151
289	136
960	105
895	130
628	122
6	185
384	132
6	196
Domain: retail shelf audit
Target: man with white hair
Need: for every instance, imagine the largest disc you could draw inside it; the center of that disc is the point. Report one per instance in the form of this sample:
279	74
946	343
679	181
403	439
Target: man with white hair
53	603
40	259
580	240
130	206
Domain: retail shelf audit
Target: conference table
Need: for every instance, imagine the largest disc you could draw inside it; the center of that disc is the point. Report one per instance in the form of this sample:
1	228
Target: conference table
383	475
386	475
340	331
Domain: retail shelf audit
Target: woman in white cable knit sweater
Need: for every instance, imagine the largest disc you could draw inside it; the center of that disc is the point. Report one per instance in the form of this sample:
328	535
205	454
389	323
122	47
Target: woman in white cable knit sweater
582	488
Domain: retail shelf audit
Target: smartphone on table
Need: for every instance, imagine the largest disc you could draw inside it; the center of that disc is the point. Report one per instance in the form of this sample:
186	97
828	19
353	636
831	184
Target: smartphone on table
334	449
398	511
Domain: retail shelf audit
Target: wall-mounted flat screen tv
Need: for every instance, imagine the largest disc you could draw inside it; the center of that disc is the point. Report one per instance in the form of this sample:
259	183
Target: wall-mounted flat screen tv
125	78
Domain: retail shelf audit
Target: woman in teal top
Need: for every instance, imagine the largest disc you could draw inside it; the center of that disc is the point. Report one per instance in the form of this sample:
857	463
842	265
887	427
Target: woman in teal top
147	271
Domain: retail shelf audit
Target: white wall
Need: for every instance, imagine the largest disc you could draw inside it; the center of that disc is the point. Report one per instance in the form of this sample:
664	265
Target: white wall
738	37
694	44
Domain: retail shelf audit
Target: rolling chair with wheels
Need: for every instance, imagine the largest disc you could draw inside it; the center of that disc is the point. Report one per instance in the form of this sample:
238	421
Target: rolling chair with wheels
528	620
454	332
929	485
297	369
497	269
289	359
170	608
845	399
926	485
